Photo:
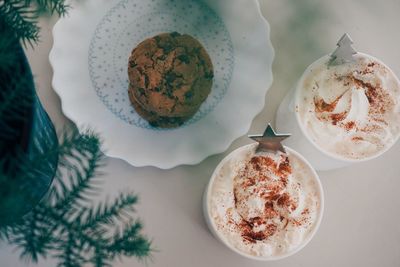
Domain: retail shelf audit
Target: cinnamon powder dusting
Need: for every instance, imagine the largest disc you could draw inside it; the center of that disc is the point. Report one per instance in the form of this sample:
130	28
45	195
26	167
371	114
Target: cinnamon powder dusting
350	125
323	109
322	106
357	138
379	100
268	180
337	117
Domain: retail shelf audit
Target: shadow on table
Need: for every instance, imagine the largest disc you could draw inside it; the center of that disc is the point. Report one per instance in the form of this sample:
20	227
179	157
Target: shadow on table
298	35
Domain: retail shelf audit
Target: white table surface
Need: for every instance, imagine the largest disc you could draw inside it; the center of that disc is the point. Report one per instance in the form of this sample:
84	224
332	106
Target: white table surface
361	221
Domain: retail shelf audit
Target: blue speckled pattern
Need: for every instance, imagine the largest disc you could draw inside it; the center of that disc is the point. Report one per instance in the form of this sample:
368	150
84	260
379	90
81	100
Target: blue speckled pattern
131	21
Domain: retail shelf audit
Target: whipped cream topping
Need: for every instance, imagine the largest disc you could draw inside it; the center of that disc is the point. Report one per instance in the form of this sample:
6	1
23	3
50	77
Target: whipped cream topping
350	110
265	204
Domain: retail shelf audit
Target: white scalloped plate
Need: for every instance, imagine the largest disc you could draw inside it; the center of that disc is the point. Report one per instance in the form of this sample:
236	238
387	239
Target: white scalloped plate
90	56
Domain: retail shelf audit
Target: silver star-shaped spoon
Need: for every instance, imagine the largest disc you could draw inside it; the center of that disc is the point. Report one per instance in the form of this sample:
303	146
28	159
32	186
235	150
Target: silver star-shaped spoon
270	141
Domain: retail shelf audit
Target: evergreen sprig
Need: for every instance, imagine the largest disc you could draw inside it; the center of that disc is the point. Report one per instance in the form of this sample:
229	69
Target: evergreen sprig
51	6
67	225
22	16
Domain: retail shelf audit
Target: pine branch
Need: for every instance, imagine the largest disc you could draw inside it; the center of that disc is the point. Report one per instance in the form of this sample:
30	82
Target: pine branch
52	6
19	16
32	236
100	258
75	151
81	180
70	257
32	248
78	233
65	224
108	213
129	238
22	16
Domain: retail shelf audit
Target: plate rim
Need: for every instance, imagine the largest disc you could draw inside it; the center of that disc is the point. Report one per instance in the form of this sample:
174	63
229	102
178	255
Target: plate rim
194	158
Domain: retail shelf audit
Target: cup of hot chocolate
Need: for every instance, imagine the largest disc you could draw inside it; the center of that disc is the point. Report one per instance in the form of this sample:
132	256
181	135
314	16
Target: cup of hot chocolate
342	114
264	205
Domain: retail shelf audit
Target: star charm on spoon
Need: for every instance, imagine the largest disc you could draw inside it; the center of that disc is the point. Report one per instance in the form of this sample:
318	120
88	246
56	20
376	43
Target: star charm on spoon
270	140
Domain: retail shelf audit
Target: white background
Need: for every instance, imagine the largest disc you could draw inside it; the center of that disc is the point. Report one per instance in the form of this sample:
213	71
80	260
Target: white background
361	224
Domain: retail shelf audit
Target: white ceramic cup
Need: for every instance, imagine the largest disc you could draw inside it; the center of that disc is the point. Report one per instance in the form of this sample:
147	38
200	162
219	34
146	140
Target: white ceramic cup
219	236
288	121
